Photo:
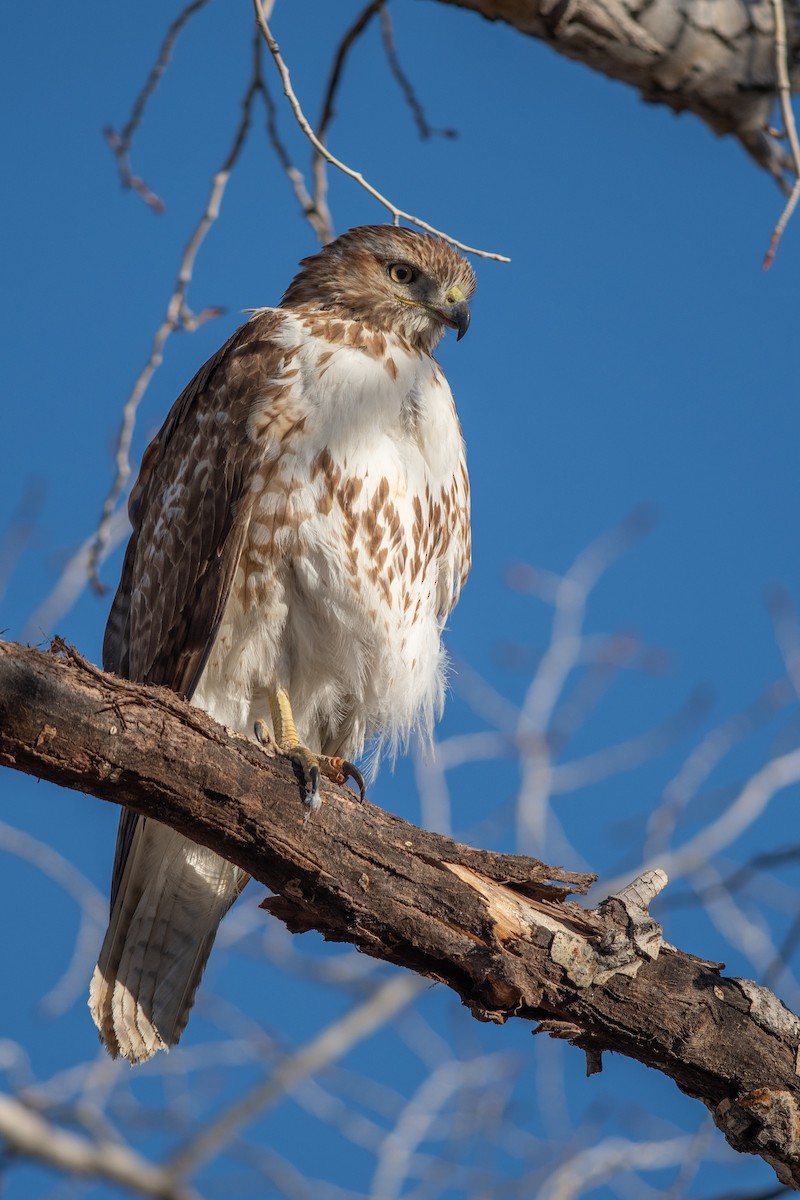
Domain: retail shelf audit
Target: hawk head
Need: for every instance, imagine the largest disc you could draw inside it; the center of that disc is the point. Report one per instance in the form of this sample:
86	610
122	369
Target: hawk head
390	279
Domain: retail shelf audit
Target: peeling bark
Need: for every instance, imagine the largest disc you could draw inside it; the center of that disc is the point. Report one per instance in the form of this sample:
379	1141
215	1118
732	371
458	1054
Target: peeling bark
715	58
500	930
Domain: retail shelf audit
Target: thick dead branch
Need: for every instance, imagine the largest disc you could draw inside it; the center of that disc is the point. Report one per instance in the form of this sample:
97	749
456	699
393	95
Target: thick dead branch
499	929
715	60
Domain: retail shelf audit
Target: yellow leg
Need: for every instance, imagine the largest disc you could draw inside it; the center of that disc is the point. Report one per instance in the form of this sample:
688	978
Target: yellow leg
287	742
283	720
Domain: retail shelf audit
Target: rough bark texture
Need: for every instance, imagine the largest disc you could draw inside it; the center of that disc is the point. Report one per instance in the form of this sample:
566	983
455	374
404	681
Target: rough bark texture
499	929
715	58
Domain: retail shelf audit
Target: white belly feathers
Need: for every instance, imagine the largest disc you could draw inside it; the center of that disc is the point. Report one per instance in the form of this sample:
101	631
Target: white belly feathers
352	559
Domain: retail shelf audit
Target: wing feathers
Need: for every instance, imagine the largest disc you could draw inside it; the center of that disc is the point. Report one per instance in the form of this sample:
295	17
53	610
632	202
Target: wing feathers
190	511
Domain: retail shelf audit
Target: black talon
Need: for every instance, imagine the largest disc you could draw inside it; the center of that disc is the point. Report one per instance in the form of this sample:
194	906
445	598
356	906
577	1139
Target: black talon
308	776
352	772
312	800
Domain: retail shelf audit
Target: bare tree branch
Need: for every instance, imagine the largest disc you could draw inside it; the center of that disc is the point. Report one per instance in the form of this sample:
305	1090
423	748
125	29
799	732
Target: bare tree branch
20	530
337	69
747	805
73	578
424	128
28	1134
558	661
398	214
120	143
498	929
386	999
715	60
790	129
92	904
177	316
315	210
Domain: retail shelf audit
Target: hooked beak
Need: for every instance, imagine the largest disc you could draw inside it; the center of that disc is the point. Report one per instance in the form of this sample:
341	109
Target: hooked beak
455	311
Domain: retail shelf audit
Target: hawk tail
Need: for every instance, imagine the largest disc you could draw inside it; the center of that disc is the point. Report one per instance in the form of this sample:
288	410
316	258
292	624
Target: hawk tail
167	906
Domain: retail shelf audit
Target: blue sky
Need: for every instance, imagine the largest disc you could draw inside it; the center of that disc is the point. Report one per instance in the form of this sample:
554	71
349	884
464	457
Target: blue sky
632	352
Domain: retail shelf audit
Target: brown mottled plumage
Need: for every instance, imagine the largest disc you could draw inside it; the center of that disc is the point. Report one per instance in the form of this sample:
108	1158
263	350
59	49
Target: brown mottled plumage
300	526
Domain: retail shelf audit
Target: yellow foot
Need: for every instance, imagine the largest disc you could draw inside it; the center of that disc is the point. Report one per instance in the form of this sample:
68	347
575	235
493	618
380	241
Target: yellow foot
311	765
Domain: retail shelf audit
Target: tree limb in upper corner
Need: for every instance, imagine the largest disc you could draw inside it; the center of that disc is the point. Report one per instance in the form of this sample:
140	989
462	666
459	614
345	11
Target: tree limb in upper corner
499	929
715	60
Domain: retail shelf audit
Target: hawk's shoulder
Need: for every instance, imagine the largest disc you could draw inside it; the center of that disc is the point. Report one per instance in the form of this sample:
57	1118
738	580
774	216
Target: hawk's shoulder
189	512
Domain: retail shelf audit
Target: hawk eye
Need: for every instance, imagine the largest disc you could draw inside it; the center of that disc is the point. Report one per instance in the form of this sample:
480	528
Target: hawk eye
402	273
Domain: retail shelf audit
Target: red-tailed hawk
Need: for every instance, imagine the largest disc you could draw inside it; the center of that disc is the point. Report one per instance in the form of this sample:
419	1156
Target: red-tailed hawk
300	534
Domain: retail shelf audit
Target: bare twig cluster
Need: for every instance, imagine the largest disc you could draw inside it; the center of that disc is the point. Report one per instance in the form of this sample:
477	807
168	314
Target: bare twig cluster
120	143
178	316
398	214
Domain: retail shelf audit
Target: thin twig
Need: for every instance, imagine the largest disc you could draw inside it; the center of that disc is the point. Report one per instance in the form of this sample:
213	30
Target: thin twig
327	1047
616	758
177	316
787	632
744	930
398	214
562	655
424	129
72	580
774	970
120	143
20	530
414	1125
314	210
596	1164
750	802
785	96
345	45
704	758
93	909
